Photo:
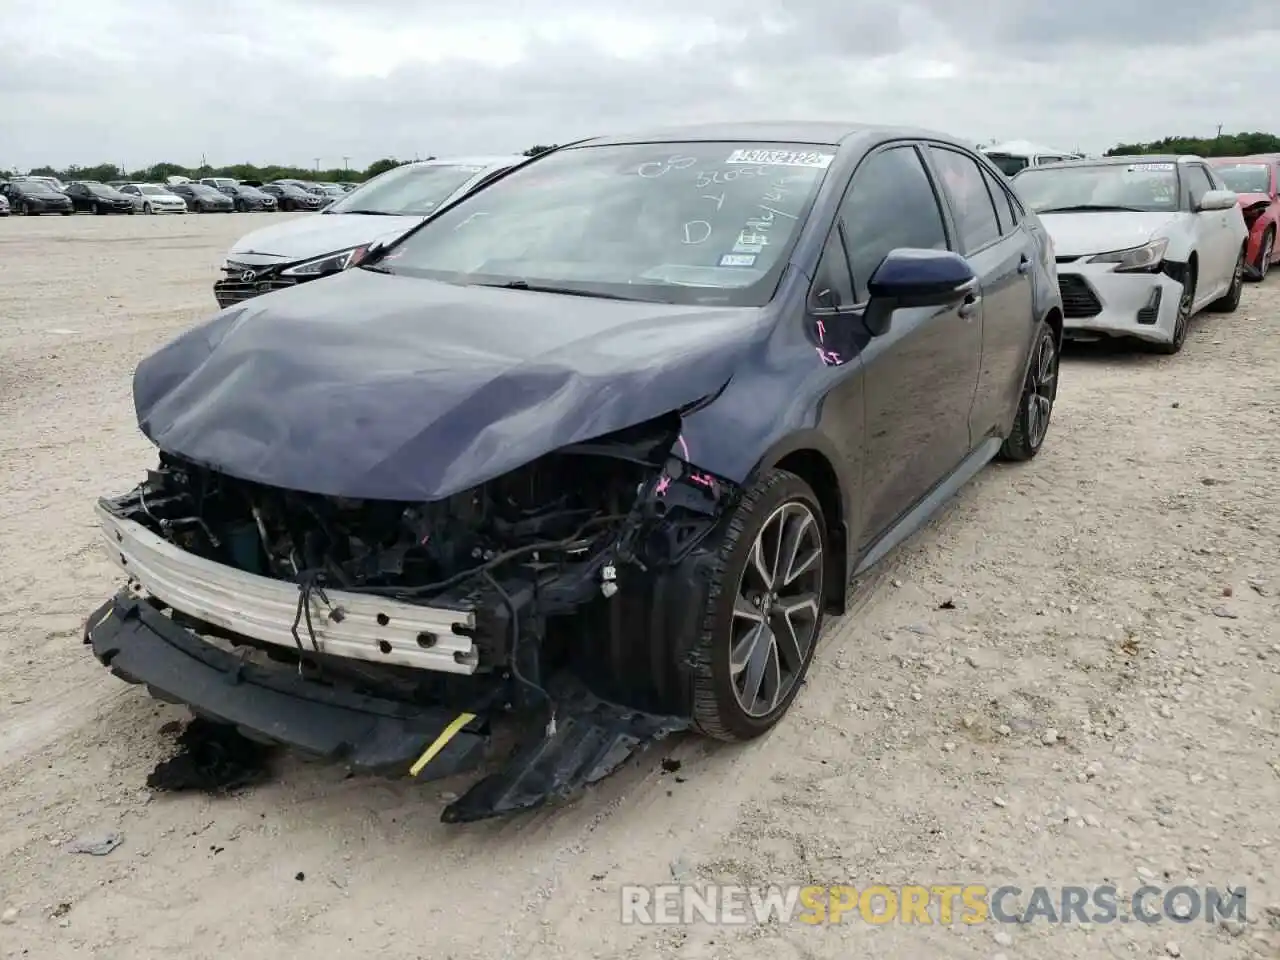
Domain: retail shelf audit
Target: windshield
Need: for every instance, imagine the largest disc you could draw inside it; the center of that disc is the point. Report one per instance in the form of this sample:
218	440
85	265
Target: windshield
411	191
204	190
1141	187
36	187
691	223
1008	163
1246	177
152	190
249	191
407	191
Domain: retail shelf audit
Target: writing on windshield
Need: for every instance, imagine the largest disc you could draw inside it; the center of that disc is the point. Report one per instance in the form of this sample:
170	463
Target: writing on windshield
690	222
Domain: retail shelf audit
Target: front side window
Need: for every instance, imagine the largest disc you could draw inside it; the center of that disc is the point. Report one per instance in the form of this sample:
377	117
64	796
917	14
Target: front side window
971	202
1141	186
695	222
890	204
1199	181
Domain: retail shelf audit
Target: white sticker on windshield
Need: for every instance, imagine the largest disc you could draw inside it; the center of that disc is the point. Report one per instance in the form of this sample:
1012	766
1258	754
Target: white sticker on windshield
782	158
738	260
741	247
1152	167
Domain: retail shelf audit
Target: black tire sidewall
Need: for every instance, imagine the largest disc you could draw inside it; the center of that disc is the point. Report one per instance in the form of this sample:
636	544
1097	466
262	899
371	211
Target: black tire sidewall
781	488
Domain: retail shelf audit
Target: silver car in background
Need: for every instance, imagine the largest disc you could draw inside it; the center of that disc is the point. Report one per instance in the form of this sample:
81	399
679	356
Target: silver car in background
1143	243
153	198
304	248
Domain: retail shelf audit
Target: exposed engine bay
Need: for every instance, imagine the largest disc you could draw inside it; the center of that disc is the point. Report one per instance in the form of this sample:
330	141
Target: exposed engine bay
419	620
520	554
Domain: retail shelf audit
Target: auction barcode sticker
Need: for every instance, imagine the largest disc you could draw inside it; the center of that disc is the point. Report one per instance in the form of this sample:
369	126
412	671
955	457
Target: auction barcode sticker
782	158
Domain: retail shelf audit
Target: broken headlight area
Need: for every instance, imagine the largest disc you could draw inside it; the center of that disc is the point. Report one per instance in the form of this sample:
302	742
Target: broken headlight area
532	594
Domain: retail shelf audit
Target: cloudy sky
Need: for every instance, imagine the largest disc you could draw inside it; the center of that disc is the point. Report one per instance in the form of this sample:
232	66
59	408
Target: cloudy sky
141	81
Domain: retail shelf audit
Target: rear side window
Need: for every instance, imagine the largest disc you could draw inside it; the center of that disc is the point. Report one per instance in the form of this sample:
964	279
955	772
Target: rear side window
975	215
1004	205
890	204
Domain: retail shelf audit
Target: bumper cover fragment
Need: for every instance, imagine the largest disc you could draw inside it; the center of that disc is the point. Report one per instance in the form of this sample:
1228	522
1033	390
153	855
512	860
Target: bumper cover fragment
141	645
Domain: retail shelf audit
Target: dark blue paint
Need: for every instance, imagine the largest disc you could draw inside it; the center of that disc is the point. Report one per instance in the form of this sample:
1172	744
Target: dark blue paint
920	275
368	385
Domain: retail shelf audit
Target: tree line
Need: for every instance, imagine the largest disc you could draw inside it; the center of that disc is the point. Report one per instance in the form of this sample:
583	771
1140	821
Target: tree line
157	173
1223	145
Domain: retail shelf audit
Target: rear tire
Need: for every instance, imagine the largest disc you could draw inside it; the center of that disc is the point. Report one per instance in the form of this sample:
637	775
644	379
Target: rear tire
1229	301
763	610
1035	405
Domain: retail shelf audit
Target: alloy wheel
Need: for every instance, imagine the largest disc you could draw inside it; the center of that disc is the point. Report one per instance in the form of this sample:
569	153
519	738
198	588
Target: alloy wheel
1264	262
1185	303
776	609
1043	390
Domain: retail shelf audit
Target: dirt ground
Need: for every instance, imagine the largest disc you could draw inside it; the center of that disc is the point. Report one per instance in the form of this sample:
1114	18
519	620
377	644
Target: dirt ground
1121	590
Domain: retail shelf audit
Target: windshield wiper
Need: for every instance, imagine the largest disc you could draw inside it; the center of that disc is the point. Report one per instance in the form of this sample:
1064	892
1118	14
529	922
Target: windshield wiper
367	213
1090	206
546	288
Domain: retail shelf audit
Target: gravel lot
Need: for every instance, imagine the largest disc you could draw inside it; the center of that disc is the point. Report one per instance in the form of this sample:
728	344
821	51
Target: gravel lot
1120	591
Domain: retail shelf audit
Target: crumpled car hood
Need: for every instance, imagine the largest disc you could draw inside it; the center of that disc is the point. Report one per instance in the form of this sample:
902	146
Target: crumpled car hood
372	386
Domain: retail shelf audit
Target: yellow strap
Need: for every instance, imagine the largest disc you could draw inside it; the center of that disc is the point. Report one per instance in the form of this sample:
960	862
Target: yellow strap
449	732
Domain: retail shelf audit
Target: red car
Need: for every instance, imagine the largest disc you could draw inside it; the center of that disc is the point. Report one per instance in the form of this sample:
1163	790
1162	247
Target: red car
1256	180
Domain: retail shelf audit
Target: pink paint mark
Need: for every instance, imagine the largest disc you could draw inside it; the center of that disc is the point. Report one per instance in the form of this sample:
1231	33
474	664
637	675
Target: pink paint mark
822	331
829	357
664	483
702	480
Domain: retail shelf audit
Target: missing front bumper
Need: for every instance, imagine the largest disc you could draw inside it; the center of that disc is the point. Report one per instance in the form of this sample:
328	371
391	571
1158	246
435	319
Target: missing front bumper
589	739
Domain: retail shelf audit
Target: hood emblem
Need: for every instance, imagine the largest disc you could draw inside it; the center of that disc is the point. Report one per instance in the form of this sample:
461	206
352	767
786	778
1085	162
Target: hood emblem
247	276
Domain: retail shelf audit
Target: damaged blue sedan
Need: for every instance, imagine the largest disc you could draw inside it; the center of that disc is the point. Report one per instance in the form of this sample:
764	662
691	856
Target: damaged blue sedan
594	449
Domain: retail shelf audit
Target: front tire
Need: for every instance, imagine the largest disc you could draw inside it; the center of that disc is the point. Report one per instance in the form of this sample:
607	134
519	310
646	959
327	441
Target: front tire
1183	321
1229	301
763	612
1268	251
146	208
1035	405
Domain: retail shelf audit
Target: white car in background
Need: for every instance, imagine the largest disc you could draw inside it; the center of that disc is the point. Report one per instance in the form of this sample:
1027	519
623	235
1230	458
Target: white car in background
381	209
1143	243
153	198
4	205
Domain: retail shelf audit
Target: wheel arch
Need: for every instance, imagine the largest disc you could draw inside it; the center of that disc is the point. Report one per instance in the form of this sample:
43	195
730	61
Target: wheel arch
816	468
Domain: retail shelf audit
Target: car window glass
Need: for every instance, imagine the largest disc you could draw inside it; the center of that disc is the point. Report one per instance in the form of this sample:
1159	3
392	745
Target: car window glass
975	216
1004	205
832	275
1199	182
890	204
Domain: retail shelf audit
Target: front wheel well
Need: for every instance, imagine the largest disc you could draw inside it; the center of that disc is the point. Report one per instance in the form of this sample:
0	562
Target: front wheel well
815	469
1054	319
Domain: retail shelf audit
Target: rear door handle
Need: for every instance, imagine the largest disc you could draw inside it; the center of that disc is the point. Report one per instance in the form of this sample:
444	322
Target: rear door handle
1024	264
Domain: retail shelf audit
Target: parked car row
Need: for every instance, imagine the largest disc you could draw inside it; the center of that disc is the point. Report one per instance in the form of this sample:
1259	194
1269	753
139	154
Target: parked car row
38	195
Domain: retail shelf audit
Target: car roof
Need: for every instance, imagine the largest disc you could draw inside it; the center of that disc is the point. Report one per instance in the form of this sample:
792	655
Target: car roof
1025	148
829	133
1130	158
1249	158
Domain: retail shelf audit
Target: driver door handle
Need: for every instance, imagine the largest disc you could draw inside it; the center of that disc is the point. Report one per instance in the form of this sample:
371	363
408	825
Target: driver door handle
969	305
1024	264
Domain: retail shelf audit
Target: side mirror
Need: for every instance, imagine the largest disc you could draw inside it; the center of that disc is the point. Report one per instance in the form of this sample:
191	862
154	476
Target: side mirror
1217	200
910	277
